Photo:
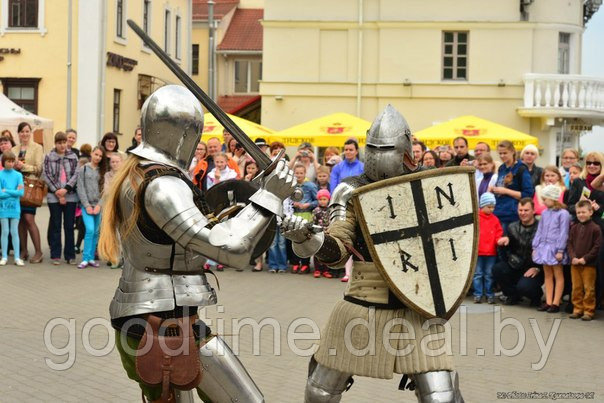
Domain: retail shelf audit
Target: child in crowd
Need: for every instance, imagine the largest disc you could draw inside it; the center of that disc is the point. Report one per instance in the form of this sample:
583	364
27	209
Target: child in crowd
115	162
584	243
11	190
277	253
490	232
251	170
321	218
221	171
304	209
550	176
323	177
59	171
549	246
90	184
79	223
486	174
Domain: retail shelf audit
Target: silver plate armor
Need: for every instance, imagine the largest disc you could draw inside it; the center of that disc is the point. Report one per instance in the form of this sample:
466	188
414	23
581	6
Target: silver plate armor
388	151
171	123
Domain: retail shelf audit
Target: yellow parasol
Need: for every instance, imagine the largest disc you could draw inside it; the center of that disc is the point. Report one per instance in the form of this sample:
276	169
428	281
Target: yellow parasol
330	130
212	128
475	130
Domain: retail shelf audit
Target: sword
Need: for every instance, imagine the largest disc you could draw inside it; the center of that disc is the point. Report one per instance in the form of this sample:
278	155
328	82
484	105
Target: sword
263	161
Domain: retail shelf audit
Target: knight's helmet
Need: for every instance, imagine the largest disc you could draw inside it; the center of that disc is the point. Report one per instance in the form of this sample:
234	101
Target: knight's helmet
171	122
388	150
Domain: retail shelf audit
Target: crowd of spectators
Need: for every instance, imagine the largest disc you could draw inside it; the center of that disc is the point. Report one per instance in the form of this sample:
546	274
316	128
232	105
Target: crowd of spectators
531	217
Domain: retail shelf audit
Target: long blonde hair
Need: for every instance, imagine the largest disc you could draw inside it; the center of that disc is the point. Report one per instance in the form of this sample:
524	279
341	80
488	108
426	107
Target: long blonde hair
112	221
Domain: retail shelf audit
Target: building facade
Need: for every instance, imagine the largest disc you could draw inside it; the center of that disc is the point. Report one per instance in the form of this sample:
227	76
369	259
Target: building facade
515	62
77	61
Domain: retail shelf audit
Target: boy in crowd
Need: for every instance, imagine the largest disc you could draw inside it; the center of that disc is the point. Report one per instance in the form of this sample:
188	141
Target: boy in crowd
583	245
321	217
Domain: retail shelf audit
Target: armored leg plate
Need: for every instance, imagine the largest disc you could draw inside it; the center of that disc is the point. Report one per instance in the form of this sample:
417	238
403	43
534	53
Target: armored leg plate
224	377
437	387
325	385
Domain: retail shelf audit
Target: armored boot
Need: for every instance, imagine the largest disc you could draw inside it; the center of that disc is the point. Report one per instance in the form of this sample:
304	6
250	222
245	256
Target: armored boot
325	385
437	387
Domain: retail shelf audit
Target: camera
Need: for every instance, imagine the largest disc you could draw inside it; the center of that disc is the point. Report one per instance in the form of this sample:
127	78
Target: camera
304	154
238	146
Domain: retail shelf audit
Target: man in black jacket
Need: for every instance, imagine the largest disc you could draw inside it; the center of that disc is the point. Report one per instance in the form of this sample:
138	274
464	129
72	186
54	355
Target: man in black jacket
516	273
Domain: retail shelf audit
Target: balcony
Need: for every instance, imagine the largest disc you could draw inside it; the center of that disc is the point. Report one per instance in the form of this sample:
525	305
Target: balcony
563	96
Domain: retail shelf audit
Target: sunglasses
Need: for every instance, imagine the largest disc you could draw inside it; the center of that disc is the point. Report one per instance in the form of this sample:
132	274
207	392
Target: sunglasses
594	163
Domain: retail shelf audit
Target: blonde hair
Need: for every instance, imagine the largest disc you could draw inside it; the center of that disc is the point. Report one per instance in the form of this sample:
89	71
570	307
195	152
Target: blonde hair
595	155
488	159
112	221
553	169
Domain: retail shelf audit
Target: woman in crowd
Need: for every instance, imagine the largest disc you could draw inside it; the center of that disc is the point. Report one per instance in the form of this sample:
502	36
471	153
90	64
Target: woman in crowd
60	174
550	176
570	156
29	163
200	153
274	149
430	160
330	152
306	157
513	183
445	154
90	179
7	133
110	145
529	155
486	175
72	137
238	154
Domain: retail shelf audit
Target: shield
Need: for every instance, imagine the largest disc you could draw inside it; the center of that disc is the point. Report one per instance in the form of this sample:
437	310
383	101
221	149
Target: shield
422	233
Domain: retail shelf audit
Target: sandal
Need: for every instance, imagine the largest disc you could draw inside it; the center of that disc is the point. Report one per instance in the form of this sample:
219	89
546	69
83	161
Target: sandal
36	260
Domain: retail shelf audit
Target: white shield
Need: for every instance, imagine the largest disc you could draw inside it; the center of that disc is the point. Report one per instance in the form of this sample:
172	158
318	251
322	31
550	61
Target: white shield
422	232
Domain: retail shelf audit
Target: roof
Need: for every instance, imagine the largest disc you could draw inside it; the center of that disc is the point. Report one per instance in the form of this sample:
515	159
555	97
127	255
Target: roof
221	8
244	32
234	103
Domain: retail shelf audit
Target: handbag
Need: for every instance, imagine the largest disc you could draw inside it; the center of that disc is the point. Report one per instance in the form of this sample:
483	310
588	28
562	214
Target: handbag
34	192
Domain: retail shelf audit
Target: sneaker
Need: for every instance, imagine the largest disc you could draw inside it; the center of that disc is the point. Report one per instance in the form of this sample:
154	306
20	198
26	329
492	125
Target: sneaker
544	307
303	269
56	262
553	309
344	279
70	261
317	274
206	267
19	262
2	262
575	315
490	300
77	250
94	263
295	268
272	271
477	300
83	265
327	274
282	271
586	318
220	267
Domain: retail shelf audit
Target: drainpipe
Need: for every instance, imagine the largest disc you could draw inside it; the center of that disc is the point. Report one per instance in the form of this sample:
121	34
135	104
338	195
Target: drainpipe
69	32
102	69
211	52
360	58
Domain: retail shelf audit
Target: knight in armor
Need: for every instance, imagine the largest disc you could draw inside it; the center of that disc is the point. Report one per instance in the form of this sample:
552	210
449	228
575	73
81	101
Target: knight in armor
388	154
160	222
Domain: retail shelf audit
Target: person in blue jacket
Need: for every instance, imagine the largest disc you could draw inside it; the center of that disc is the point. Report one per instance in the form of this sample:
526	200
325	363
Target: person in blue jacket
513	183
350	166
11	190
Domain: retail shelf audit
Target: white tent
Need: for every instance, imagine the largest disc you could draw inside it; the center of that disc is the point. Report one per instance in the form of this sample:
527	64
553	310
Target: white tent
12	114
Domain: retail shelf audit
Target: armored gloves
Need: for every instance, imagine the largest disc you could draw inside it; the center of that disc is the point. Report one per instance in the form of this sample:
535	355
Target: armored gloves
275	187
306	238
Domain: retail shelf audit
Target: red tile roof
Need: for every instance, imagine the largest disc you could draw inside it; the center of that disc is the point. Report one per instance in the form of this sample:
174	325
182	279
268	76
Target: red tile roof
245	31
234	103
221	8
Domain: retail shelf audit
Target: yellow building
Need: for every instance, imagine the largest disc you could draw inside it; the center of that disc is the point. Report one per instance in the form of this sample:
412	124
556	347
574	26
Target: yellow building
78	63
515	62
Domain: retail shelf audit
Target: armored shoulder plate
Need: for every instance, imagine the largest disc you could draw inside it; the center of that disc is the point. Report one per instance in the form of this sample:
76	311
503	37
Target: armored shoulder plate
342	194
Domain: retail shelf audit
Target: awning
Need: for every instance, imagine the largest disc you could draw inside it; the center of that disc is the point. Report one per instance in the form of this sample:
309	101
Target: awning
211	128
475	130
330	130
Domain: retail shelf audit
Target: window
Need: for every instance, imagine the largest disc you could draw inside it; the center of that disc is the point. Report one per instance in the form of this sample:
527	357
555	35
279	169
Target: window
195	60
167	31
119	22
23	92
146	16
247	75
563	53
23	13
455	55
146	86
177	37
116	110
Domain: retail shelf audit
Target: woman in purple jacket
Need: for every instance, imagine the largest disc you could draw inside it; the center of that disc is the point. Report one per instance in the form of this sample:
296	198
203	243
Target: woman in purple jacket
549	247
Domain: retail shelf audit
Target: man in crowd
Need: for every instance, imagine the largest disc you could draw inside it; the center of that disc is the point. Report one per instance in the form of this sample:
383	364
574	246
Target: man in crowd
207	164
419	149
516	273
481	148
462	156
136	140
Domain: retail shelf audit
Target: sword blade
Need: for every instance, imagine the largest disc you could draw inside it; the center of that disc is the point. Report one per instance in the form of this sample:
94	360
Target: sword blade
248	145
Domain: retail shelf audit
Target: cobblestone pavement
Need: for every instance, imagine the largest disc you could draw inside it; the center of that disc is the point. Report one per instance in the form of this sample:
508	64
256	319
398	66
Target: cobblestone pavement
37	296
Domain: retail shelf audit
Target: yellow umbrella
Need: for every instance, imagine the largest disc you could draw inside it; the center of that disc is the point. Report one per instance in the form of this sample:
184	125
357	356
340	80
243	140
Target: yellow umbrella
475	130
212	128
330	130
